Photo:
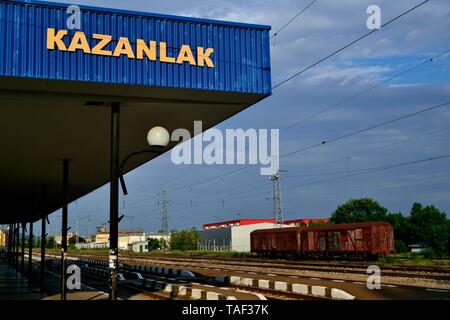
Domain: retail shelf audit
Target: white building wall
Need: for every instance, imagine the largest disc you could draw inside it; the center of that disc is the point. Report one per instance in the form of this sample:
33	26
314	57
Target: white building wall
141	246
125	240
240	235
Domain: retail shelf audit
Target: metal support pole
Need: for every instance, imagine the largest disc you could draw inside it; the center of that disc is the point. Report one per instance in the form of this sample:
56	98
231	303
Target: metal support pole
43	241
43	237
22	253
13	245
114	200
10	244
17	247
78	233
30	251
65	197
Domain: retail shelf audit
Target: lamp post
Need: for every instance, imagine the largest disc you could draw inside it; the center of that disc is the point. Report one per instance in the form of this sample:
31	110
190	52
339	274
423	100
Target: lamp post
158	139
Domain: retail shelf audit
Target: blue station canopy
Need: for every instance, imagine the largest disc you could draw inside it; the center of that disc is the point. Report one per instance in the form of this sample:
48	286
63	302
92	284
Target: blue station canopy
60	69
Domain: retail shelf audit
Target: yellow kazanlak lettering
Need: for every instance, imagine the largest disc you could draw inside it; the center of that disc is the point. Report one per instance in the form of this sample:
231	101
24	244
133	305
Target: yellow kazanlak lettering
105	45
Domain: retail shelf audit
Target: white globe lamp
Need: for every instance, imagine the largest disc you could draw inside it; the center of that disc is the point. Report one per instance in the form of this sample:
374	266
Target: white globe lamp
158	137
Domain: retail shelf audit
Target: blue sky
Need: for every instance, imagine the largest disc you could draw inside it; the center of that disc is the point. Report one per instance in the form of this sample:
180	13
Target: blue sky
324	27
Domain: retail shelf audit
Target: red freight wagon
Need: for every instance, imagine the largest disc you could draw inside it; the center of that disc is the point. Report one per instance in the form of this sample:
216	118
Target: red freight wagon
362	239
274	240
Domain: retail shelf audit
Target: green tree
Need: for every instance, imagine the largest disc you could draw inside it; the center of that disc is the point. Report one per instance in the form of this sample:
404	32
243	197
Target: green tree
37	242
359	210
50	242
318	223
400	246
423	224
153	244
430	224
184	240
402	228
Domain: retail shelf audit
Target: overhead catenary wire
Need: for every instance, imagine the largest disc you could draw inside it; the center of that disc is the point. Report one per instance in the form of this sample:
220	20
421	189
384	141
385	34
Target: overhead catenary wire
246	191
208	180
341	102
344	136
377	169
339	172
358	172
374	149
341	137
410	183
292	19
387	167
353	155
226	174
346	46
364	91
367	171
245	195
409	115
372	32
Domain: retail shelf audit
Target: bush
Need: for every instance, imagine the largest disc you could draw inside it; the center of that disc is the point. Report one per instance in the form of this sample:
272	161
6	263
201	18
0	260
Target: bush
424	224
429	253
184	240
154	244
359	210
400	246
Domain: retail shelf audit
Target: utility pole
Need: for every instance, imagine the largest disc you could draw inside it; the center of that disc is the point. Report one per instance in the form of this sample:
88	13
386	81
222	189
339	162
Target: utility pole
164	219
88	218
22	245
64	228
17	247
89	228
30	251
114	202
78	233
43	237
277	204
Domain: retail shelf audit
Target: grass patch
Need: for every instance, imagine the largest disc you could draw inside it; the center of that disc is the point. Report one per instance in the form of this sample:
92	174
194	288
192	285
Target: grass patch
414	259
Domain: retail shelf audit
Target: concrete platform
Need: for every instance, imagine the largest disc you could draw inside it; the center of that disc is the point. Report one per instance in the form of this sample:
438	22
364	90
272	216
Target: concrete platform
85	293
80	295
14	286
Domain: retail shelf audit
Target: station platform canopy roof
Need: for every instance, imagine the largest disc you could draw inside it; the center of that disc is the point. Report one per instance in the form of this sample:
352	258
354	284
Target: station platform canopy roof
58	78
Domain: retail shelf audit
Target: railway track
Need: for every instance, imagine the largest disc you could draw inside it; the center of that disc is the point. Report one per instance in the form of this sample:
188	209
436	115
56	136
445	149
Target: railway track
271	294
207	271
235	265
312	264
101	284
98	281
287	267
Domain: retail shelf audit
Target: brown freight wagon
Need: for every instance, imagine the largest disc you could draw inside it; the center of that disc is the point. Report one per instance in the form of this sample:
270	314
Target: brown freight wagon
366	239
